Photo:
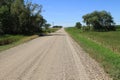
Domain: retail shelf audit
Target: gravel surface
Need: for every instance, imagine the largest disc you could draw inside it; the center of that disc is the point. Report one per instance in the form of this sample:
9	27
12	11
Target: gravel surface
55	57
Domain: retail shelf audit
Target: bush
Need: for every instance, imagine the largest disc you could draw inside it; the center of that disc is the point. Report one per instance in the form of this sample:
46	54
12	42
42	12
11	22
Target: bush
87	28
78	25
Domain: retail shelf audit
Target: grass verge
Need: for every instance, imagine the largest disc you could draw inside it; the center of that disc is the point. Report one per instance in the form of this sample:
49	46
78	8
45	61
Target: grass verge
107	58
14	40
110	39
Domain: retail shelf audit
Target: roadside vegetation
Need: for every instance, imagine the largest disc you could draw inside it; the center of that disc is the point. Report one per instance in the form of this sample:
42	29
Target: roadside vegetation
110	39
8	41
99	21
49	29
19	20
108	58
54	29
100	38
20	17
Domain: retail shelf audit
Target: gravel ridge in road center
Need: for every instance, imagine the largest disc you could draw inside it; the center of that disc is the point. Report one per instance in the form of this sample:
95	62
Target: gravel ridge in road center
55	57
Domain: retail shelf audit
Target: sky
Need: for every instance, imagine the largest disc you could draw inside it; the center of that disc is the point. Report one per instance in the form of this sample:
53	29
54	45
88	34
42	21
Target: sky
67	12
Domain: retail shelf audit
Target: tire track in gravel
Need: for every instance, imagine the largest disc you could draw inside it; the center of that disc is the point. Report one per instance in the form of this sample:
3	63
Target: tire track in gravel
55	57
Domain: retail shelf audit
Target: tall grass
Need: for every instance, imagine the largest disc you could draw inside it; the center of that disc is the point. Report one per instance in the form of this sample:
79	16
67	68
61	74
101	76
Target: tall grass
8	41
108	59
110	40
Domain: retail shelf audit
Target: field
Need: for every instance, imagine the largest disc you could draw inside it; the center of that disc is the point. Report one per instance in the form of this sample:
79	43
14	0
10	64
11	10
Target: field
8	41
102	46
110	40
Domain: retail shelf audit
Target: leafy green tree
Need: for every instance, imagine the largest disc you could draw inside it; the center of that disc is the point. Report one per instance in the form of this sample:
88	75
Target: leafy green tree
16	10
1	30
17	17
78	25
100	20
5	19
31	19
47	26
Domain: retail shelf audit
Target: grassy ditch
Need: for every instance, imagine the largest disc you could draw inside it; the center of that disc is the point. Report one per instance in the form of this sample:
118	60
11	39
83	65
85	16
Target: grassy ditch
8	41
108	58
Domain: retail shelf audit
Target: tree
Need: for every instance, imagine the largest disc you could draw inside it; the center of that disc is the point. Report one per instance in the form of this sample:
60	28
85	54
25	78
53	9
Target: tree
78	25
1	30
17	17
100	20
57	26
5	19
17	8
31	19
47	26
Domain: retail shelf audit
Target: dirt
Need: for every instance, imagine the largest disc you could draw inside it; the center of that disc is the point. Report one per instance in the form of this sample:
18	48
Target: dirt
55	57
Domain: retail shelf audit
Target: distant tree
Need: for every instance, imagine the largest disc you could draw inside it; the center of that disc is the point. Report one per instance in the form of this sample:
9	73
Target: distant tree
78	25
100	20
57	26
47	26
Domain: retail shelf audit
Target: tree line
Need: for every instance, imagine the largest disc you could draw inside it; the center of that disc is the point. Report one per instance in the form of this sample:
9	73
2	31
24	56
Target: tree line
57	26
98	21
20	17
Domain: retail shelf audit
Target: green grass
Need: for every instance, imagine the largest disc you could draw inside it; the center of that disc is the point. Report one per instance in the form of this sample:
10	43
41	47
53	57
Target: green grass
8	41
91	43
110	40
118	27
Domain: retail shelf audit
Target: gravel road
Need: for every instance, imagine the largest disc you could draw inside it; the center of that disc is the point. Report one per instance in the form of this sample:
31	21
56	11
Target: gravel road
55	57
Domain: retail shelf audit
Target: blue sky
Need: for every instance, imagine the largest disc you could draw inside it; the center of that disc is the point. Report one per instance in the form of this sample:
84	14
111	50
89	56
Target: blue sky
68	12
